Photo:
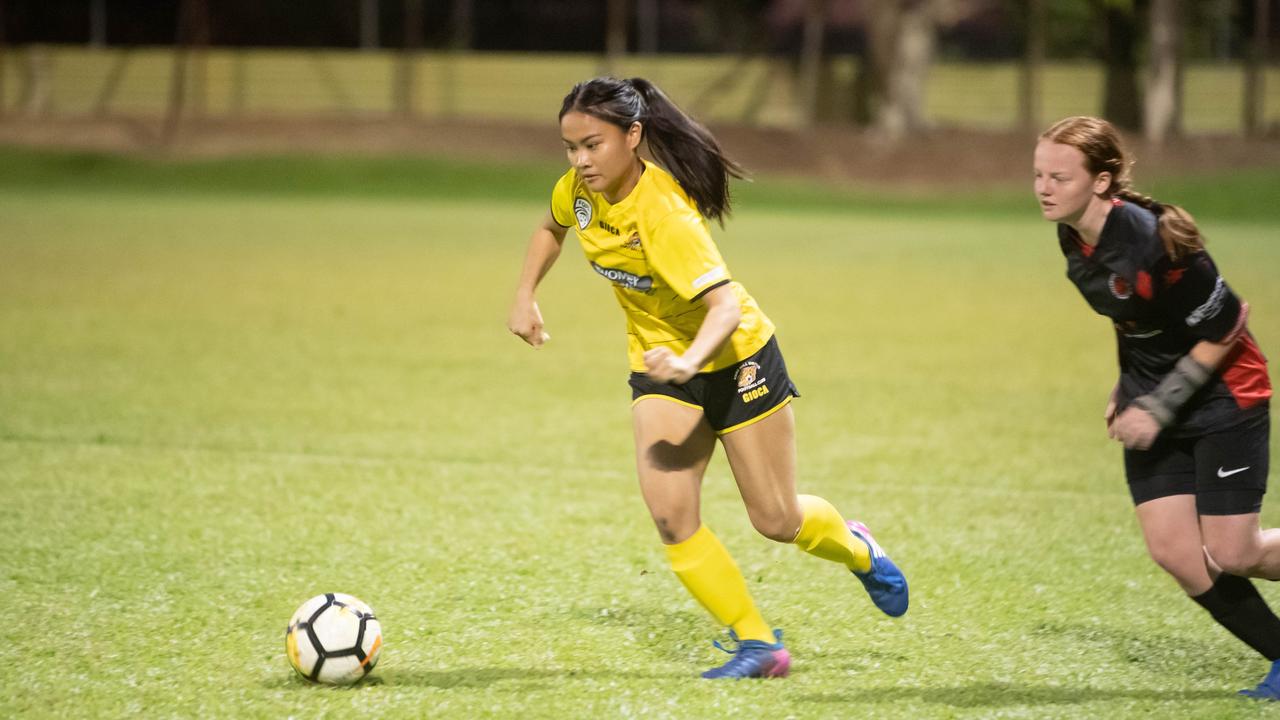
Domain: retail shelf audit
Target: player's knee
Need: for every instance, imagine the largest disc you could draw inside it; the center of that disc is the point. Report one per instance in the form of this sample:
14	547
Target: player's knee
1177	563
775	524
673	530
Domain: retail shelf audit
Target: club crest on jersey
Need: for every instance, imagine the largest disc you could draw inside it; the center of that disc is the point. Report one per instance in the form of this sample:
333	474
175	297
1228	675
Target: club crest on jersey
1119	287
582	211
750	381
633	242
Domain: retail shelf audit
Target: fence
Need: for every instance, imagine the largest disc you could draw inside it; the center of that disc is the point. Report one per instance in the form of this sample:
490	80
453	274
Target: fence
69	81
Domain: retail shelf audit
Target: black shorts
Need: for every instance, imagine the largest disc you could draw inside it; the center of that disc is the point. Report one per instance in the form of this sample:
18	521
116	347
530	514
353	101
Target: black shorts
1226	471
732	397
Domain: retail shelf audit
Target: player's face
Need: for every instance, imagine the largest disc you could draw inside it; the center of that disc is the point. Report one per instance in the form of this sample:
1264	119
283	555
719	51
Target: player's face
1064	187
603	153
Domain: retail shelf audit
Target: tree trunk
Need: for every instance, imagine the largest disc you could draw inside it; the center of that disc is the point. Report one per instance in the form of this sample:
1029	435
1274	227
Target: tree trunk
1255	71
615	38
369	24
98	23
904	40
4	55
406	77
1121	101
463	26
815	26
1164	86
1031	78
190	37
647	24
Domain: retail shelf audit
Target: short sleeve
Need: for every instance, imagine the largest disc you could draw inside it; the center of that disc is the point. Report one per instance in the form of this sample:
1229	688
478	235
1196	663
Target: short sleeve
562	200
1202	300
681	251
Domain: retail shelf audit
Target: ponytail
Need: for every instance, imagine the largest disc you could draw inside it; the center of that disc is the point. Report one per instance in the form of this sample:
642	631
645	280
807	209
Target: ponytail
679	143
1100	143
1177	229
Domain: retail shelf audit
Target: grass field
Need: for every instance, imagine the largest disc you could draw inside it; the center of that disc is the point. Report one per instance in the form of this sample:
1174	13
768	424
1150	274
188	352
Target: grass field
221	395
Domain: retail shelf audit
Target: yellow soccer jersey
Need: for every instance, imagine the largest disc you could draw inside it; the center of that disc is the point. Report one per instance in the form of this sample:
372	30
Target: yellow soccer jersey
654	247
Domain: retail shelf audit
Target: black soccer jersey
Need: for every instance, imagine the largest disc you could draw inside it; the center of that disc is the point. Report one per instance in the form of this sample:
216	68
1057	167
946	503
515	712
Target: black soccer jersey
1161	309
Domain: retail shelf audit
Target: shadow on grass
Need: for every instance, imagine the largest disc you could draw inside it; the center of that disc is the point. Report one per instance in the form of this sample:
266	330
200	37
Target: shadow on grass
519	679
999	694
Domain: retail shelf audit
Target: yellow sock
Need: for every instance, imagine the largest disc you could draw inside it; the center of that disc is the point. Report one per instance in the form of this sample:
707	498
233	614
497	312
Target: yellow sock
824	534
712	577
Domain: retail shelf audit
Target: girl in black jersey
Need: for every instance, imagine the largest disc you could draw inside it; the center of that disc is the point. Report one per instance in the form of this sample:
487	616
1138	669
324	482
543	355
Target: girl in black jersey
1191	403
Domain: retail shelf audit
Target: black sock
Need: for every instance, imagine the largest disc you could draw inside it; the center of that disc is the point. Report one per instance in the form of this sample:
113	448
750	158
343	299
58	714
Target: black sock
1235	603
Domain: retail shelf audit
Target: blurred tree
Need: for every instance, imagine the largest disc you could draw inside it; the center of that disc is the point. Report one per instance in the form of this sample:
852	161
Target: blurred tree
1122	97
1163	111
1255	69
98	23
811	59
618	25
1031	75
463	29
647	23
901	36
369	15
4	54
191	37
405	77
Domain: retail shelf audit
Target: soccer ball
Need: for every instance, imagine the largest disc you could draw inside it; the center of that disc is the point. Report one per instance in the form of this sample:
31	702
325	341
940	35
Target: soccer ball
333	638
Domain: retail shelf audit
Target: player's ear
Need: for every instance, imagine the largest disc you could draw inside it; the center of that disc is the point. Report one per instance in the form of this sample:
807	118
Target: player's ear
1102	182
634	134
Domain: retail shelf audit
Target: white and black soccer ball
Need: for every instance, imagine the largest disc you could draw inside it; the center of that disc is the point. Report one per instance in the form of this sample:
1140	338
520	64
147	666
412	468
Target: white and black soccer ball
333	638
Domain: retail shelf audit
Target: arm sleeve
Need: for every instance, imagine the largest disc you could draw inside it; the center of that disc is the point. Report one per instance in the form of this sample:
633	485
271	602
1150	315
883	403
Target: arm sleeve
681	251
1201	300
562	201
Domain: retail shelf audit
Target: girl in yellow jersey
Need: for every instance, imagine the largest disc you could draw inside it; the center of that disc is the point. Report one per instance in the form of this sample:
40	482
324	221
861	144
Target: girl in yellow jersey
704	362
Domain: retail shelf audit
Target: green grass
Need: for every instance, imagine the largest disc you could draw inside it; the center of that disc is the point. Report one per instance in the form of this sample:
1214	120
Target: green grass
217	400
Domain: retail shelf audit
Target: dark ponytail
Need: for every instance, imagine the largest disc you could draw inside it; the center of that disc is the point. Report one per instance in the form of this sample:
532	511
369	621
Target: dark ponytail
678	142
1100	143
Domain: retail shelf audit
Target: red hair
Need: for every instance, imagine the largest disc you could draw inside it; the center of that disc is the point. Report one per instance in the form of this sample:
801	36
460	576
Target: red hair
1103	152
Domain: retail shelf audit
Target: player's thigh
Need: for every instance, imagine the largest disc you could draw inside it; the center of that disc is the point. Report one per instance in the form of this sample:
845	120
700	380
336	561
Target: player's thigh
674	443
1231	478
1233	541
762	456
1171	530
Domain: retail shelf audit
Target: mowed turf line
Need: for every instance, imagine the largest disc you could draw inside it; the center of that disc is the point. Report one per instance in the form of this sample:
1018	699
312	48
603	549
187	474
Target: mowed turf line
215	406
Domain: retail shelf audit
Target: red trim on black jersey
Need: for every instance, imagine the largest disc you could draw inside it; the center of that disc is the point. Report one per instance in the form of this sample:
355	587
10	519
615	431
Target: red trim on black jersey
1144	285
1085	248
1240	324
1246	373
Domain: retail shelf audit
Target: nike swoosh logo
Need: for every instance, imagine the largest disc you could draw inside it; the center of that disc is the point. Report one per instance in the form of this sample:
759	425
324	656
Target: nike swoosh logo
1228	473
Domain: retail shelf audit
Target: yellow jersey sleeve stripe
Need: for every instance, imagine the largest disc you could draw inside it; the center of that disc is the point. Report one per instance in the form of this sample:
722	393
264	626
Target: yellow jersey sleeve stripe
757	418
666	397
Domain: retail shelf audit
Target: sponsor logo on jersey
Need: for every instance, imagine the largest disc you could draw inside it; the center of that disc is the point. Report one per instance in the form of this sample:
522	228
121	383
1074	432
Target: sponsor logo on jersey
1211	307
612	230
1119	287
633	242
582	211
622	278
751	384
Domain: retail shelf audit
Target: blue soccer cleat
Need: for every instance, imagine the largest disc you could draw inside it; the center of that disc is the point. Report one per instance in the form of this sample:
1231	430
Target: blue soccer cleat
1269	688
753	659
884	582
